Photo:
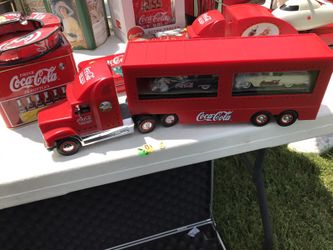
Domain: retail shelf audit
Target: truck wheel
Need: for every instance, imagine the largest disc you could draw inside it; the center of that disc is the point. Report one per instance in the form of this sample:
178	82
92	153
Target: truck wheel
261	118
68	146
169	120
286	118
146	124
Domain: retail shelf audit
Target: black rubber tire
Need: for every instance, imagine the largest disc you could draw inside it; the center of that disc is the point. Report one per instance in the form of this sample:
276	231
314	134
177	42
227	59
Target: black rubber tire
169	120
68	146
146	124
287	118
261	118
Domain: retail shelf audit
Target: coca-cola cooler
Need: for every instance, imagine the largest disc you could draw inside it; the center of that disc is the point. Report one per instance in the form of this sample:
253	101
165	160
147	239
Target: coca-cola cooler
36	63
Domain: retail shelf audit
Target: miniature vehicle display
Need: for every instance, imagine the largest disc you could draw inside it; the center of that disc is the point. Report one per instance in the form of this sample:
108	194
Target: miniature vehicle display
182	83
305	14
200	88
274	79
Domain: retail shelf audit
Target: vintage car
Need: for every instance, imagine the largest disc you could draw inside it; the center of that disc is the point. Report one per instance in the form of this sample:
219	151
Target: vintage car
264	79
166	84
305	14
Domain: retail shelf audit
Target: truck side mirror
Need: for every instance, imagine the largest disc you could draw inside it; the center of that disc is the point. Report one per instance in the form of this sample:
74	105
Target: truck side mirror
105	106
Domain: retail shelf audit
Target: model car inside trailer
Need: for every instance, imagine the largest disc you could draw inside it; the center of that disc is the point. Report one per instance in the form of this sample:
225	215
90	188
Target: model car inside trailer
192	81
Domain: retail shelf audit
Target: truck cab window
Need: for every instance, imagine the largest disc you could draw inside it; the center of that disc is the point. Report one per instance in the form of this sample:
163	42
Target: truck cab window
81	109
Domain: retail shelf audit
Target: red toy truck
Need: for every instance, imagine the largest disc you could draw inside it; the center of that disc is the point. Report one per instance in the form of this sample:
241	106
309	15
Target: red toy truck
197	81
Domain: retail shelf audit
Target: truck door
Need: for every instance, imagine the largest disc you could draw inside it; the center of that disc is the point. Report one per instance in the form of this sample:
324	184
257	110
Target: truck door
108	114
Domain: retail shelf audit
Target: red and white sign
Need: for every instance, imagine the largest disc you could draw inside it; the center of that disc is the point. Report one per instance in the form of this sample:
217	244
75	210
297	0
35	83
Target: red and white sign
133	18
21	40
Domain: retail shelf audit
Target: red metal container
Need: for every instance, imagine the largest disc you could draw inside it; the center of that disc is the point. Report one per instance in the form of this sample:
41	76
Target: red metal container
36	62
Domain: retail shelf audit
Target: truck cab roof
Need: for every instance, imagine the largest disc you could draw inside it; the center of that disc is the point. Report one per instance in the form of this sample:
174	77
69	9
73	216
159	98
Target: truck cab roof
82	87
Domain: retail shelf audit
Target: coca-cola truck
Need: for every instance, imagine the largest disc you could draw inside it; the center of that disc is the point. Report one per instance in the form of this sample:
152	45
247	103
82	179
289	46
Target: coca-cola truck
195	82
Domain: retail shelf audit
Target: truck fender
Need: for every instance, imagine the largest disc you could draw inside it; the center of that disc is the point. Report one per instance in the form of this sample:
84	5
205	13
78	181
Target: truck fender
52	136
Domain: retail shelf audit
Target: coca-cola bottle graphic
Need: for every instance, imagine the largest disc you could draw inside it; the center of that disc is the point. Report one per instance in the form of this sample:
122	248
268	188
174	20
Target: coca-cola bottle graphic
149	14
39	101
30	103
56	96
63	91
20	106
47	98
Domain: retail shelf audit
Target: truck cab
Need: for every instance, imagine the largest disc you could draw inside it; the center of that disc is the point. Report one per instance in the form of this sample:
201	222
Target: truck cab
91	112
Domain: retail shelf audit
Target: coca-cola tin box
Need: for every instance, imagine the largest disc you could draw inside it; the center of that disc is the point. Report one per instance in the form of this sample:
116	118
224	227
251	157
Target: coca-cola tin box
36	63
135	18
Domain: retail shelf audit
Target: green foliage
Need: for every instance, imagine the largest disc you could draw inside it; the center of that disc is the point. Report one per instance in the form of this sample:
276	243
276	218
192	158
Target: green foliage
299	189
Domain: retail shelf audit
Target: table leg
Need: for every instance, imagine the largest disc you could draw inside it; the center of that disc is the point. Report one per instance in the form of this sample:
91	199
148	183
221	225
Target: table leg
257	177
262	199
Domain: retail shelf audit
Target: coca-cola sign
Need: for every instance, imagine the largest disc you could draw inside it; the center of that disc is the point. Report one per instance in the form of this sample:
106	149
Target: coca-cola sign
204	18
214	117
33	79
20	41
159	18
83	120
116	60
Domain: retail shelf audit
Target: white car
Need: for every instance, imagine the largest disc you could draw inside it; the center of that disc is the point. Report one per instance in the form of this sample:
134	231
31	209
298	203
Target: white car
305	14
272	79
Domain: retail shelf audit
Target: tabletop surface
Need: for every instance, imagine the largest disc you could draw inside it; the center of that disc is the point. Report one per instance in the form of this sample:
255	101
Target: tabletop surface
28	172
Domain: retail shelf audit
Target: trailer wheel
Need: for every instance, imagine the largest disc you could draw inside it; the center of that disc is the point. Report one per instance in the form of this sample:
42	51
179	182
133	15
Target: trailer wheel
146	124
261	118
68	146
169	120
286	118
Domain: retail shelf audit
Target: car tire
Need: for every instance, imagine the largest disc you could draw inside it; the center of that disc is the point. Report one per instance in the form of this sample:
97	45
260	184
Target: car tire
169	120
68	146
146	124
261	118
287	118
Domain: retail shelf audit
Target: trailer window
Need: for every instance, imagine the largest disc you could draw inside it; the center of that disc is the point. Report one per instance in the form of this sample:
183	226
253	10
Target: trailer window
268	83
177	86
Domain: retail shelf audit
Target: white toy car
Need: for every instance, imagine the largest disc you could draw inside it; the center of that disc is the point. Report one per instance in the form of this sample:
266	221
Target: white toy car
272	79
305	14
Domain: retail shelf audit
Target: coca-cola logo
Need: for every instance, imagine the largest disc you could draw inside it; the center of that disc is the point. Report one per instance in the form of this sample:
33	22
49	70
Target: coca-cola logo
83	120
214	117
20	41
37	16
204	18
116	61
159	17
42	76
86	75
